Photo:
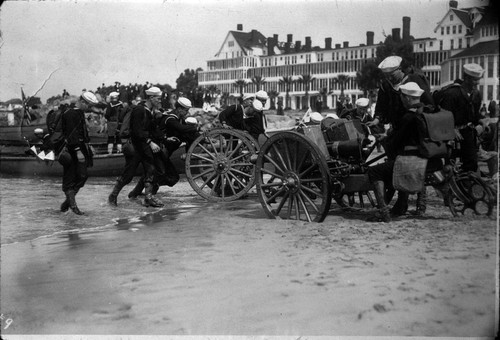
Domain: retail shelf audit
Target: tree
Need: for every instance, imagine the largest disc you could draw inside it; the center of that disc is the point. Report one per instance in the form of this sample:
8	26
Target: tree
323	92
240	84
188	82
273	94
258	81
369	77
287	81
342	80
306	79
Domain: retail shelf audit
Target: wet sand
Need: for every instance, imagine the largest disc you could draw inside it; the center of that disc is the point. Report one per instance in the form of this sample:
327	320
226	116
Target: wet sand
206	269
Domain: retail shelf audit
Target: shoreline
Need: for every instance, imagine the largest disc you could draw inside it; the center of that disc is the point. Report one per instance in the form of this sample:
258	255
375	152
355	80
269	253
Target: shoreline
226	270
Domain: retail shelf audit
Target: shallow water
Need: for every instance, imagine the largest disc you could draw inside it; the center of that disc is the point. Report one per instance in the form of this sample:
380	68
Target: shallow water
29	208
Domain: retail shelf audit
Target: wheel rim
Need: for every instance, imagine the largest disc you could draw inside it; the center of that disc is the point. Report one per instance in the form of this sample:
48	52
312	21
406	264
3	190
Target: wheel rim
469	192
292	178
218	165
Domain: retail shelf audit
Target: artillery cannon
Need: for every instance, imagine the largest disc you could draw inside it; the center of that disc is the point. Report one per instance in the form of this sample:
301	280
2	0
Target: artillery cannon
297	171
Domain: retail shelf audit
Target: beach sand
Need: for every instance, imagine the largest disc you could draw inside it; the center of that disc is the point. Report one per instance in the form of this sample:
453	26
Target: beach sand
216	270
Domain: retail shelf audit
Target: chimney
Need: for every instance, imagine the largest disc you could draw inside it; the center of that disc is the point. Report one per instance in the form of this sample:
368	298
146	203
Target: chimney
308	44
239	27
395	34
346	44
254	36
337	45
275	36
369	38
289	38
297	46
270	46
287	47
453	4
406	28
328	43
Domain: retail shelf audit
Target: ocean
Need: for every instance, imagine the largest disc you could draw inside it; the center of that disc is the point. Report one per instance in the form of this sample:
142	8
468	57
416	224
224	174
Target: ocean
29	208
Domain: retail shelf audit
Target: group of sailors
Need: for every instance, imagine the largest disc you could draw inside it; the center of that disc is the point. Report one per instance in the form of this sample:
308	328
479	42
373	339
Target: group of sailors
156	132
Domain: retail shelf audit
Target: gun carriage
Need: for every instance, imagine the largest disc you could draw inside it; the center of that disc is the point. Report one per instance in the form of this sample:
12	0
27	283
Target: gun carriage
297	171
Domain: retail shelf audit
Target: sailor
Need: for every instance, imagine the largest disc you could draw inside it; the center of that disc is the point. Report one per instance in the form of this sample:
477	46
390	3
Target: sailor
79	155
114	111
463	99
141	127
232	116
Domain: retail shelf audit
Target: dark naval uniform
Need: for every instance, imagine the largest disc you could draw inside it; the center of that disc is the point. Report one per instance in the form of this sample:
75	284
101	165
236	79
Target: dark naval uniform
232	116
465	107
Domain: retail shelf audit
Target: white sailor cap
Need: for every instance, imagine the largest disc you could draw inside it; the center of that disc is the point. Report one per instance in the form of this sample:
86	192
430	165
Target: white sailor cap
114	94
184	102
262	95
362	102
191	120
38	131
248	96
257	105
390	64
316	117
473	70
411	89
89	97
332	115
153	91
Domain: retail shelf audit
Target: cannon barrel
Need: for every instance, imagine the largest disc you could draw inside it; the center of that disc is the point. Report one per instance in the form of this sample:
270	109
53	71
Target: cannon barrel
346	149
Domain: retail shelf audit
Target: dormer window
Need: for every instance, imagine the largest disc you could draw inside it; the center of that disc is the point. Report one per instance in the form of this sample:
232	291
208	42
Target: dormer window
230	43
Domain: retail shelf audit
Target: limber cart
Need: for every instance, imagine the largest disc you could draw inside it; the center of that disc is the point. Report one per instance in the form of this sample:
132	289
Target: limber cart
297	171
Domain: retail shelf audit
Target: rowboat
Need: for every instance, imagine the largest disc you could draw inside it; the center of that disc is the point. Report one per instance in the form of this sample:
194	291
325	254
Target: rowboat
15	161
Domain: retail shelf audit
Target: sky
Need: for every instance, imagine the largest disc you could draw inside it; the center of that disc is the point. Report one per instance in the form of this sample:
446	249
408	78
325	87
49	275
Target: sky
48	46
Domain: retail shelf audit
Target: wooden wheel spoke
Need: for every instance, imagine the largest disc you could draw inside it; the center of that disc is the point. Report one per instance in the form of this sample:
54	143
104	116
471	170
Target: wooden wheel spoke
282	203
270	160
311	167
270	173
287	156
241	164
241	173
278	154
308	199
233	151
199	156
236	178
276	194
206	150
311	180
201	165
303	204
309	190
297	209
204	173
209	179
290	206
239	157
230	183
213	147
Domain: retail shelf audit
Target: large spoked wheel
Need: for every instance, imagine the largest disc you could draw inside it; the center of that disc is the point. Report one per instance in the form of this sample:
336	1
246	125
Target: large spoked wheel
218	165
470	192
292	178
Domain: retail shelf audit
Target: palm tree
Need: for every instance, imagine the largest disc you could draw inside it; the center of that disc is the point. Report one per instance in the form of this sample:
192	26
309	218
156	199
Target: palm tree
306	79
258	81
241	84
212	91
323	92
273	94
287	81
342	80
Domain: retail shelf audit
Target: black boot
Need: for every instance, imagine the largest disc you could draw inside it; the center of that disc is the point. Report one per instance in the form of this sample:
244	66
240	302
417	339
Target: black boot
112	198
150	200
421	202
137	189
72	202
65	204
383	214
401	206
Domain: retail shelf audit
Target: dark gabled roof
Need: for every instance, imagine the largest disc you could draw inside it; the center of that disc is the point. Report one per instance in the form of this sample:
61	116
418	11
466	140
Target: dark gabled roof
484	48
463	16
249	39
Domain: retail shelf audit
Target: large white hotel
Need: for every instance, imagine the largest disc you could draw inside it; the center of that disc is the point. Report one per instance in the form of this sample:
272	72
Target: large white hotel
462	36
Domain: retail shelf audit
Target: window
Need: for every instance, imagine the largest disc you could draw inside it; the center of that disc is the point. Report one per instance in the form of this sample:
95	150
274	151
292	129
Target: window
230	43
451	17
459	29
454	29
451	44
431	43
447	29
459	43
440	45
468	42
442	30
490	67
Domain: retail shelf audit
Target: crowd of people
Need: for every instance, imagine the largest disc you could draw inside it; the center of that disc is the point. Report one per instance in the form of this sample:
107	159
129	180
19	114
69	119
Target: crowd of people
158	124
